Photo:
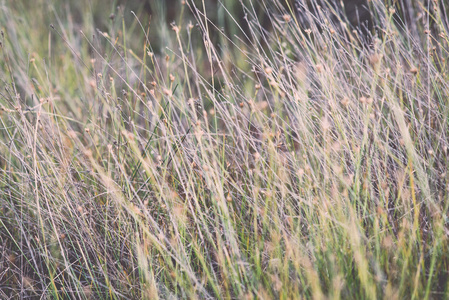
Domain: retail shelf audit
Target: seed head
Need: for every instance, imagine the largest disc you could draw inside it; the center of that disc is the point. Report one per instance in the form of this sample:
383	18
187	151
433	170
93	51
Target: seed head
175	28
167	92
287	18
345	101
374	59
414	70
229	198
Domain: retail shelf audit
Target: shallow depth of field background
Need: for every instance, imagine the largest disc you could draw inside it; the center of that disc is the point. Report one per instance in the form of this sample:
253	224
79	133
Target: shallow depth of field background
224	149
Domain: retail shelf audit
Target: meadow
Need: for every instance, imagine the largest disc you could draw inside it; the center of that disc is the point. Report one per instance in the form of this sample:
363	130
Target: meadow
223	150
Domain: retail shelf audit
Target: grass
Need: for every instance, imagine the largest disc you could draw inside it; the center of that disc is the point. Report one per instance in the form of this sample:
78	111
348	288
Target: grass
219	158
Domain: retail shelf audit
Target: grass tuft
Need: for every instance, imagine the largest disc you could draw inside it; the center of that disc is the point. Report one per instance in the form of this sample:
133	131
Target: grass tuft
247	150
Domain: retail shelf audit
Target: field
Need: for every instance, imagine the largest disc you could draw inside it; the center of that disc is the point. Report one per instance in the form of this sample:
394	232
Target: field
225	149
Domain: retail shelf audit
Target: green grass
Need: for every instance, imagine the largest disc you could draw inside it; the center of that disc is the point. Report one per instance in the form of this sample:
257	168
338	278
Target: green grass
143	160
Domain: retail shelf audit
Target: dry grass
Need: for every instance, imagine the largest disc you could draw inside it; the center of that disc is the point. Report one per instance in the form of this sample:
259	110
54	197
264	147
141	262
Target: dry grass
274	164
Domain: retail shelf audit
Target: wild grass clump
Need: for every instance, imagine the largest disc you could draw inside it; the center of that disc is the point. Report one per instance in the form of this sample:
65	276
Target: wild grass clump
298	159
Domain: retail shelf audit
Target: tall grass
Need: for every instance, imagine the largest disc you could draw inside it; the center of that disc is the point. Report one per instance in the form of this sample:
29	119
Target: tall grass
298	159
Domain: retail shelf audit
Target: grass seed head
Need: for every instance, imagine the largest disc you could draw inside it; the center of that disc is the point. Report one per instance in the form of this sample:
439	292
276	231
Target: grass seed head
344	101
